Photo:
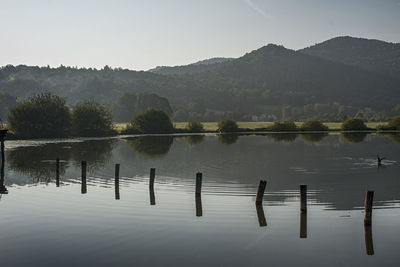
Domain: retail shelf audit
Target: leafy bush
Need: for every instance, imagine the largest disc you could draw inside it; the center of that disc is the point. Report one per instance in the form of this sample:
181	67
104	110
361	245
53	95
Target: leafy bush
283	126
228	126
313	125
394	123
90	118
195	127
151	121
354	124
41	116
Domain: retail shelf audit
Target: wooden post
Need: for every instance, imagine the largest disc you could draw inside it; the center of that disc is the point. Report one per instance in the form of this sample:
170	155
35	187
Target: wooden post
83	186
260	215
303	225
303	198
3	189
199	179
117	196
260	192
57	172
152	177
369	197
152	197
369	244
199	206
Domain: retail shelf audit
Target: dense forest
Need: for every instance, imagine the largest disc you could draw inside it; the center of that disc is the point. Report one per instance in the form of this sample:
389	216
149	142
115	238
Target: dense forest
340	78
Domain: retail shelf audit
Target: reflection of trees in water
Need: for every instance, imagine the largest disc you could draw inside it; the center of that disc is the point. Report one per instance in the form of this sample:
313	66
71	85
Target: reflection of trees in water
313	137
283	137
151	146
38	162
227	139
354	138
393	137
194	139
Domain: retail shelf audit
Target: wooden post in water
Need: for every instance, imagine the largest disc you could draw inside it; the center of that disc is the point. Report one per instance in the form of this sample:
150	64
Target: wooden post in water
303	225
151	186
83	185
199	179
3	189
152	177
303	198
199	206
57	172
369	244
260	192
117	196
369	198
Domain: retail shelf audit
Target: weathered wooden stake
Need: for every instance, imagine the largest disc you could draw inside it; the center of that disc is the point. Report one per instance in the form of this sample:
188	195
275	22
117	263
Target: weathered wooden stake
152	177
57	172
117	196
261	216
199	206
83	186
369	198
369	244
303	225
199	179
303	198
260	192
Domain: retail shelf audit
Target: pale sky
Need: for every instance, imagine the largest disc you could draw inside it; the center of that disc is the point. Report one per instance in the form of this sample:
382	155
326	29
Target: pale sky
143	34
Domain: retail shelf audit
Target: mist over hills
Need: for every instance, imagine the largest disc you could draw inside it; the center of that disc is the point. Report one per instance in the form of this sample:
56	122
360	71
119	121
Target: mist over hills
333	80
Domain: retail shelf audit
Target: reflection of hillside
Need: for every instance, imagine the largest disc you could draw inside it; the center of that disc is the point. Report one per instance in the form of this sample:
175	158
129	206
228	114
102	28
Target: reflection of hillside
195	139
38	162
151	146
393	137
283	137
354	138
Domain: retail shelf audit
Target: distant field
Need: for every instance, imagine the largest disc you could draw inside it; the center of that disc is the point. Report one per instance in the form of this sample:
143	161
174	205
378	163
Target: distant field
212	126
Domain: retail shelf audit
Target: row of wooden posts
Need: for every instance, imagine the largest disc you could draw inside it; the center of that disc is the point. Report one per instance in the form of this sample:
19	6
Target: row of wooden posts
258	203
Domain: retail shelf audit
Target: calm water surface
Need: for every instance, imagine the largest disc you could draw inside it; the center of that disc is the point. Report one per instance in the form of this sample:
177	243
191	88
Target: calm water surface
45	225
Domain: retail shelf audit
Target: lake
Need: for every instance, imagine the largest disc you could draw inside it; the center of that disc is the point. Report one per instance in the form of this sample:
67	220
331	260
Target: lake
45	222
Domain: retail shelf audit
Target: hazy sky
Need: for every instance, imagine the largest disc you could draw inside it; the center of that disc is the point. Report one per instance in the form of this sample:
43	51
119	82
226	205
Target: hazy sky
143	34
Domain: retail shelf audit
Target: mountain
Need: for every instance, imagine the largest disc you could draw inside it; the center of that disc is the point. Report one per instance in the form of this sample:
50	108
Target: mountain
373	55
196	67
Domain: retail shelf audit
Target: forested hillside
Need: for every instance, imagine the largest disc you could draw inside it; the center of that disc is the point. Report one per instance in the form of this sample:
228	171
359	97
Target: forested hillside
266	84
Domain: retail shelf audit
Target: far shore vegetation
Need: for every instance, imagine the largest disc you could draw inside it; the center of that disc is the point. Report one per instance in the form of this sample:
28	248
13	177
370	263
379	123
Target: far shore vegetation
47	116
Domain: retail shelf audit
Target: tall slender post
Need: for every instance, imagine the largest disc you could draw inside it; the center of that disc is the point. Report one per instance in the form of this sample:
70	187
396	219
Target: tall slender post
303	198
260	192
57	172
199	179
369	244
369	198
83	184
151	186
117	196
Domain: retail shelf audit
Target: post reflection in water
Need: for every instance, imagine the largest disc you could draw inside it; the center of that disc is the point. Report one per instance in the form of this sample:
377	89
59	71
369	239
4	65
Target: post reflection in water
199	206
369	243
303	225
83	183
3	189
261	216
152	196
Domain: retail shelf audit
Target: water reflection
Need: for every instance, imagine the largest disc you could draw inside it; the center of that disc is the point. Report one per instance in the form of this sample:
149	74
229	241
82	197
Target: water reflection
260	215
151	146
369	244
313	137
199	206
283	137
354	138
228	139
395	138
303	225
194	139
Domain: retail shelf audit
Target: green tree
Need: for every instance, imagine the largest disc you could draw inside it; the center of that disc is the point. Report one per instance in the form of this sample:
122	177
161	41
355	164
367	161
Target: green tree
313	125
90	118
283	126
354	124
228	126
40	116
195	127
394	123
151	121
